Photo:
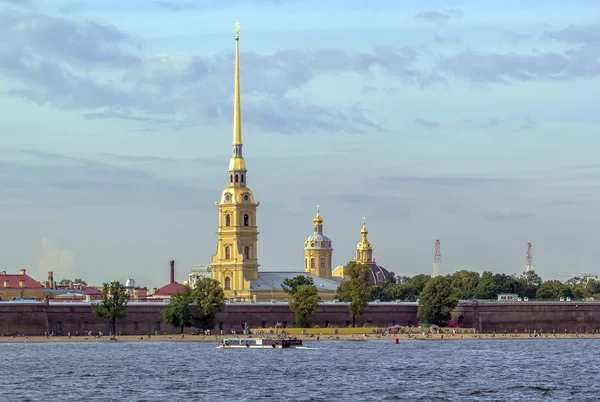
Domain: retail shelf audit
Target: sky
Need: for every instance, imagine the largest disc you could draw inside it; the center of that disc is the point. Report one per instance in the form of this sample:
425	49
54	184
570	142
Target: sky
461	121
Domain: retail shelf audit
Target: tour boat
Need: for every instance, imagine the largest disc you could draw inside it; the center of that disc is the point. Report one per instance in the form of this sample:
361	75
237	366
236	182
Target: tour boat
259	343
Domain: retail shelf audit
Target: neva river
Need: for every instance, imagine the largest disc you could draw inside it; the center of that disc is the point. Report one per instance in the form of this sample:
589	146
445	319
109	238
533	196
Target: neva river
472	370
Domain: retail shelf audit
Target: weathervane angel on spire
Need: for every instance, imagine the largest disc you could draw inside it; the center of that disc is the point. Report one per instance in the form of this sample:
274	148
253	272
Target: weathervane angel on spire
237	27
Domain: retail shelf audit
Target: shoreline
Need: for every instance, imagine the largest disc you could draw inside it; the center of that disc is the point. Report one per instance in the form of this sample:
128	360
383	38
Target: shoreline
304	338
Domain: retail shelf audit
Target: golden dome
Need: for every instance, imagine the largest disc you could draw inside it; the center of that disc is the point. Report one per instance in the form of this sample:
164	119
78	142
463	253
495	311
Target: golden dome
318	220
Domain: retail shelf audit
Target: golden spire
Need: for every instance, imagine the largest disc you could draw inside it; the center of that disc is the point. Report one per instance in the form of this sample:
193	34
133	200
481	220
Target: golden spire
364	230
318	221
364	250
237	118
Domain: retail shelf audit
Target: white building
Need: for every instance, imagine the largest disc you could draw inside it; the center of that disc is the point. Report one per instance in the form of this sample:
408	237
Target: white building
198	272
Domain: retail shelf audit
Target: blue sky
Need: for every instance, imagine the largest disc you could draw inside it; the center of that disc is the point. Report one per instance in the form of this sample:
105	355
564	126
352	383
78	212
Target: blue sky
462	121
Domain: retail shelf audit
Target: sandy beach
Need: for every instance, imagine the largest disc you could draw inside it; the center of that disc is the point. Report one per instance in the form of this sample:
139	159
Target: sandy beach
343	337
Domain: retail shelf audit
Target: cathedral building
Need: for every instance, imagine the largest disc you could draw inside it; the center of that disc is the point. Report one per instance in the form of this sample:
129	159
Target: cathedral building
318	251
235	262
364	255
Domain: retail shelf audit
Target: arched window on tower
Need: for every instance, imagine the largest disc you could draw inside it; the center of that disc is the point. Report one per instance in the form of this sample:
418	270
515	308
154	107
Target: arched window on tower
247	252
231	178
227	220
227	253
322	262
242	178
305	263
246	220
236	178
312	262
227	283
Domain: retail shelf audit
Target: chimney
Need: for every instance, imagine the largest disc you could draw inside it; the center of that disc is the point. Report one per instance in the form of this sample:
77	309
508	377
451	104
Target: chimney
22	272
172	262
51	279
3	273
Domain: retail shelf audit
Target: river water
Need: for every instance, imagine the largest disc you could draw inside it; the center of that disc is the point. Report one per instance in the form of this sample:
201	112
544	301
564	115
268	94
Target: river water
471	370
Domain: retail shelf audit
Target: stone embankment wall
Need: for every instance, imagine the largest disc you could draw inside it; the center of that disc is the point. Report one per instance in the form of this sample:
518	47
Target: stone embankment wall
557	316
146	318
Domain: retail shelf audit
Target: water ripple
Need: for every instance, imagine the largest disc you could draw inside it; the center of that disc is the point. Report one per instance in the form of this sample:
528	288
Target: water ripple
474	370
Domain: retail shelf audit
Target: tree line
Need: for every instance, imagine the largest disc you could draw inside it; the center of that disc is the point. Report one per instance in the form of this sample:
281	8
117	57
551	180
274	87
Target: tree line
199	306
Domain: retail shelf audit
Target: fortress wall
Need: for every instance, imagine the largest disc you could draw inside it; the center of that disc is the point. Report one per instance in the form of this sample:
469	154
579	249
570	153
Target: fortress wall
486	317
257	316
23	318
547	316
64	318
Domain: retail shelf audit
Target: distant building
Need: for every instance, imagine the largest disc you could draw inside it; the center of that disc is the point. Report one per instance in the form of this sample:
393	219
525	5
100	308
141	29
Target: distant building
508	297
364	255
19	286
198	272
170	288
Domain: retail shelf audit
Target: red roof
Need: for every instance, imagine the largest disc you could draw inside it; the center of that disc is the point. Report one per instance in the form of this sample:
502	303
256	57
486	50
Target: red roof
90	291
170	289
13	281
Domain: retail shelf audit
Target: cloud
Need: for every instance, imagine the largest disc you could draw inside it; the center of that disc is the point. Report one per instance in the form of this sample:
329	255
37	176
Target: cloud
174	6
575	34
505	124
61	181
507	215
438	18
585	60
448	38
515	37
427	123
36	39
446	181
18	3
72	6
492	67
482	66
102	71
56	259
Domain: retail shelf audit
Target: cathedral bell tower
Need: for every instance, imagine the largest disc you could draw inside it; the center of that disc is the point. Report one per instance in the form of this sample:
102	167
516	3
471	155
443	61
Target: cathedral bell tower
364	250
236	259
318	251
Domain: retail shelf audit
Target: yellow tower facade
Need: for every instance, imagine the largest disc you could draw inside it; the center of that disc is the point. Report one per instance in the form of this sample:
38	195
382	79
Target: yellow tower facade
364	250
236	259
318	251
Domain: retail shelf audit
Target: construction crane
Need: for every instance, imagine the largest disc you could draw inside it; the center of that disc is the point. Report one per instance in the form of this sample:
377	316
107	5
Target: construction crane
583	277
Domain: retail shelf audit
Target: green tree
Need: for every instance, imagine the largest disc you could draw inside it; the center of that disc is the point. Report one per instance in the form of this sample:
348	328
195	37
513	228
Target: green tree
210	301
356	290
592	288
290	285
389	290
411	289
464	283
179	311
112	304
550	290
436	301
305	302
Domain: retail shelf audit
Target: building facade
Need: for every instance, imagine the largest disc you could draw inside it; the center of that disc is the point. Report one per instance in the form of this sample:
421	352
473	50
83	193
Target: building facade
235	262
365	255
318	251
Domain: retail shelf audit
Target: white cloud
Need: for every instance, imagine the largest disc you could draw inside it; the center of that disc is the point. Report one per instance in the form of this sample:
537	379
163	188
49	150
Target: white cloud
56	259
